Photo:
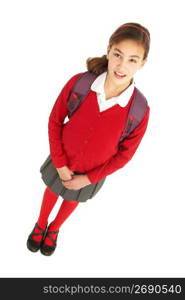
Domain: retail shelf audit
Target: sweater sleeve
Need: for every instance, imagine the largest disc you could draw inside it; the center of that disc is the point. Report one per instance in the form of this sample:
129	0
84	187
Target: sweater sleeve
55	124
127	150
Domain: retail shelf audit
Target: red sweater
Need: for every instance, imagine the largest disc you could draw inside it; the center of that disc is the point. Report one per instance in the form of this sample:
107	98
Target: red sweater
88	142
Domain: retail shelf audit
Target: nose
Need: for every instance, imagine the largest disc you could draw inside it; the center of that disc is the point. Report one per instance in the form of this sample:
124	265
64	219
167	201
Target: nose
122	66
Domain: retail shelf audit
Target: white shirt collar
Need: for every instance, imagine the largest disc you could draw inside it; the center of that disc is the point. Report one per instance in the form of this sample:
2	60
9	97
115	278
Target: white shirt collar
98	87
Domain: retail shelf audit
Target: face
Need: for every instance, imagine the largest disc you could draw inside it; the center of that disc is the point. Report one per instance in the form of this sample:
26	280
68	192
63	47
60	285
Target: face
125	57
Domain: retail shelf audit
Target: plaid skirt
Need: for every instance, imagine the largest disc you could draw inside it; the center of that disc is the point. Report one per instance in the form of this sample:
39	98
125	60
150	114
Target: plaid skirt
52	180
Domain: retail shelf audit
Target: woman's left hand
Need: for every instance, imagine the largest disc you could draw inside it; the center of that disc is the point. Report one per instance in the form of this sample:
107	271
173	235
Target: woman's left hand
77	182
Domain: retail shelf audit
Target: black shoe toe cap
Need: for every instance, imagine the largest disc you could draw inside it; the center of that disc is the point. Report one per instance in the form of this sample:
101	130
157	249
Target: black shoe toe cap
33	245
47	250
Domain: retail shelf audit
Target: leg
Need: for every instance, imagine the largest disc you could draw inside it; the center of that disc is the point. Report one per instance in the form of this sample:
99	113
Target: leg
48	202
66	208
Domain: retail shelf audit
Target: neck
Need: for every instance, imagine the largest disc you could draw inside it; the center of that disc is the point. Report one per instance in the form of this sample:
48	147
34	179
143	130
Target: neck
110	87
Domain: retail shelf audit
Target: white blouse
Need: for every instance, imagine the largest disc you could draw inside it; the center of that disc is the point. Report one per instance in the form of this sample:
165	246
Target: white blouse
98	87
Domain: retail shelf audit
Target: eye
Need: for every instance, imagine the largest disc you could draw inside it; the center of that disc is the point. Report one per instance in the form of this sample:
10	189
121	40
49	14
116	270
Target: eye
133	60
116	54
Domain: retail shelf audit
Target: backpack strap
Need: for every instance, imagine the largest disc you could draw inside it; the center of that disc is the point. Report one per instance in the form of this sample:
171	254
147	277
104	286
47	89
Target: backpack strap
136	113
79	91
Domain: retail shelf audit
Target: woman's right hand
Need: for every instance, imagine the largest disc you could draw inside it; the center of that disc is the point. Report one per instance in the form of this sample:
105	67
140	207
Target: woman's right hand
65	173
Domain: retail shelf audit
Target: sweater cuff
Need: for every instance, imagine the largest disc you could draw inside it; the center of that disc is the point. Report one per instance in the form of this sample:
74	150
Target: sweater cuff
59	162
91	178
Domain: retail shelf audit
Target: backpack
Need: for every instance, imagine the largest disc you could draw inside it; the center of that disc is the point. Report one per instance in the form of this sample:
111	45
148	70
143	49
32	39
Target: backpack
81	89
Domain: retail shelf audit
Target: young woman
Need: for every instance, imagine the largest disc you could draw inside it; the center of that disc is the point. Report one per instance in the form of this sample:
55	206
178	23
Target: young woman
84	150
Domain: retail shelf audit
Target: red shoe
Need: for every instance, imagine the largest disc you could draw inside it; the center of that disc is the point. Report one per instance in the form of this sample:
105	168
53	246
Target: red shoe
33	245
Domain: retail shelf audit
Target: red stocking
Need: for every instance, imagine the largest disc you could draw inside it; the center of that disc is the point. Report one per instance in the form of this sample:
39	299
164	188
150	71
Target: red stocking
65	210
48	202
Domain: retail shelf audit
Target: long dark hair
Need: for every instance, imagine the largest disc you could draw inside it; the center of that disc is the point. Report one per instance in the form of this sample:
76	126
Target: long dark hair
132	31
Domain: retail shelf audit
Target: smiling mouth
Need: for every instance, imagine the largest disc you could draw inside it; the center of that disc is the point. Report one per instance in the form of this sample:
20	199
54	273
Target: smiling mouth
119	75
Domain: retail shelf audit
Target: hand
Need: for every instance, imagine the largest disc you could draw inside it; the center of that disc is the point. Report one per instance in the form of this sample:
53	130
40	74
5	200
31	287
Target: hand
65	173
77	182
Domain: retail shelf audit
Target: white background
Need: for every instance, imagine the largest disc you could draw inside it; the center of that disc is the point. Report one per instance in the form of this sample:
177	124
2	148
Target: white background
137	231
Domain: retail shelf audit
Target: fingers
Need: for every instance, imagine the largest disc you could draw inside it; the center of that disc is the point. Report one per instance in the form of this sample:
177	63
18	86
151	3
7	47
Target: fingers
69	179
69	184
65	173
66	182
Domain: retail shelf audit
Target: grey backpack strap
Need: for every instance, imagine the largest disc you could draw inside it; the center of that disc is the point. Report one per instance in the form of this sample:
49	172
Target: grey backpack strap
80	91
136	113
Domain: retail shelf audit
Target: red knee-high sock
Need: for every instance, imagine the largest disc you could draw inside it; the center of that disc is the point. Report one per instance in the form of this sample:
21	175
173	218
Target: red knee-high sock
65	210
48	202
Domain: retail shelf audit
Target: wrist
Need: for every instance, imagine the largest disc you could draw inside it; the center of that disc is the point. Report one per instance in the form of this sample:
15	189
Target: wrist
87	179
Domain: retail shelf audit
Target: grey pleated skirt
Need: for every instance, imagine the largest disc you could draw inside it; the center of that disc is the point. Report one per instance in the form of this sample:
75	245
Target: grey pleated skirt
52	180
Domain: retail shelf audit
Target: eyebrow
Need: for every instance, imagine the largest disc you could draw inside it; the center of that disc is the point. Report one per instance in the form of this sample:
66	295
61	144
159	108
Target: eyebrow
122	53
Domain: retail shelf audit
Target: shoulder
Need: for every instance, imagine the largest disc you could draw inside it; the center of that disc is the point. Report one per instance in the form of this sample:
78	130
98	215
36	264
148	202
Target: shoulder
142	98
72	80
140	94
141	105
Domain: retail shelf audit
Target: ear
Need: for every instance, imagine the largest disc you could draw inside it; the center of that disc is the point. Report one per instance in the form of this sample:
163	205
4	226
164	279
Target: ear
108	49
